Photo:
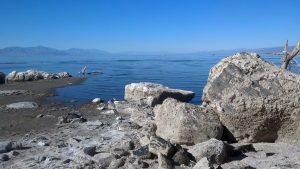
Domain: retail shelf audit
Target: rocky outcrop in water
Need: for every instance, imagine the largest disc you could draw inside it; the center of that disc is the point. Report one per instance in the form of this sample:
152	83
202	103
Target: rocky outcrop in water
153	94
255	100
185	123
2	78
32	75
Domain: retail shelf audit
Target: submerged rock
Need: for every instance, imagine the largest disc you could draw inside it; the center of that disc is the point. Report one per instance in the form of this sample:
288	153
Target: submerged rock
185	123
22	105
153	94
255	100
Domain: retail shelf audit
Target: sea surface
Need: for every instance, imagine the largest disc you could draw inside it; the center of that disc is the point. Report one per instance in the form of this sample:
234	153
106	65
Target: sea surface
188	72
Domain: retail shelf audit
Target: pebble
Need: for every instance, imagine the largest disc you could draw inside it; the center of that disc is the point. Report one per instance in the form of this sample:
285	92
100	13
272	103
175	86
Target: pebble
4	157
91	151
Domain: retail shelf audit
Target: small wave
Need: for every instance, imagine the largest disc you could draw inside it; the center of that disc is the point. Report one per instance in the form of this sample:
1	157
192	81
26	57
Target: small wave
9	63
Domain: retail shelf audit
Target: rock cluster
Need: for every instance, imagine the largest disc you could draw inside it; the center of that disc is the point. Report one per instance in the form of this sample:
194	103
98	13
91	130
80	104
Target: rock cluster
31	75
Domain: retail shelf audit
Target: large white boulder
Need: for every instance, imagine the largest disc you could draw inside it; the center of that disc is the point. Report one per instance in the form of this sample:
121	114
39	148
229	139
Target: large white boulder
185	123
153	94
255	100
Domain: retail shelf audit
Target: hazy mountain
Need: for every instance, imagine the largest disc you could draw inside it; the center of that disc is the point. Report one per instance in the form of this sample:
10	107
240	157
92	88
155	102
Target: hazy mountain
45	51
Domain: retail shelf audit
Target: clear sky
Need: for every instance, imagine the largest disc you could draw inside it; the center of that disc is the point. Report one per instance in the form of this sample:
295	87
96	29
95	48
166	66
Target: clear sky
149	25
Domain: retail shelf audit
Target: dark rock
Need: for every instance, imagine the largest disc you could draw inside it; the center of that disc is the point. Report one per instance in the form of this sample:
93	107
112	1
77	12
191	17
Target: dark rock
67	161
2	78
143	152
91	151
182	157
159	145
164	162
4	157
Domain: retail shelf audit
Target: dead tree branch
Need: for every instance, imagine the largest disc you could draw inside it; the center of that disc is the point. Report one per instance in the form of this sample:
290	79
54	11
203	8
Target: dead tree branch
289	55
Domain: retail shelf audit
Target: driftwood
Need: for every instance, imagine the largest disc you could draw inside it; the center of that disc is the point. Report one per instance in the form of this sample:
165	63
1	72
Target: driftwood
288	56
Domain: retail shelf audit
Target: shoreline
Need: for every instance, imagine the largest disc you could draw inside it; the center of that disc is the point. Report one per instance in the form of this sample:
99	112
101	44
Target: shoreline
15	123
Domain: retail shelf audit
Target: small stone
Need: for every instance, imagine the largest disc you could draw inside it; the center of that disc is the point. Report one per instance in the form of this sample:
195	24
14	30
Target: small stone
203	164
159	145
103	159
42	143
119	118
41	158
4	157
181	157
97	100
15	153
91	151
164	162
144	141
213	149
115	164
67	161
142	152
40	116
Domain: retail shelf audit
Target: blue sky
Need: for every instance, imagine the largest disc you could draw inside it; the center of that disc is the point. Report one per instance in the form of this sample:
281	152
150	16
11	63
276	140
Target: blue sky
149	25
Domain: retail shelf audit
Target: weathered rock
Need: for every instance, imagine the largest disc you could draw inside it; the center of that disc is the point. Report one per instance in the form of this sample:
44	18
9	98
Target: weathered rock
184	123
22	105
2	78
203	164
164	162
4	157
91	151
159	145
96	100
181	157
103	159
213	149
142	152
255	100
153	94
31	75
135	163
115	164
6	146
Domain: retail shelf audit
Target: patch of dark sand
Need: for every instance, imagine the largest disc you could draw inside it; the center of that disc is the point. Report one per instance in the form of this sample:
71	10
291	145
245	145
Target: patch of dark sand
15	123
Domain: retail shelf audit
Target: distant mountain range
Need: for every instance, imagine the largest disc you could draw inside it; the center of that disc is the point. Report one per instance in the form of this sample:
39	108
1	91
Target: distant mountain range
45	51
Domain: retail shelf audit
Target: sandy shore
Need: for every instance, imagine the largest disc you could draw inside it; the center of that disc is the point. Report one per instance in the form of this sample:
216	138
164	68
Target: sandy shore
14	123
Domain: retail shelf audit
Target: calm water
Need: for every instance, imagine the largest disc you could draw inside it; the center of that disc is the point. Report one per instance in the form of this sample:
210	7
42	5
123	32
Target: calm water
182	72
